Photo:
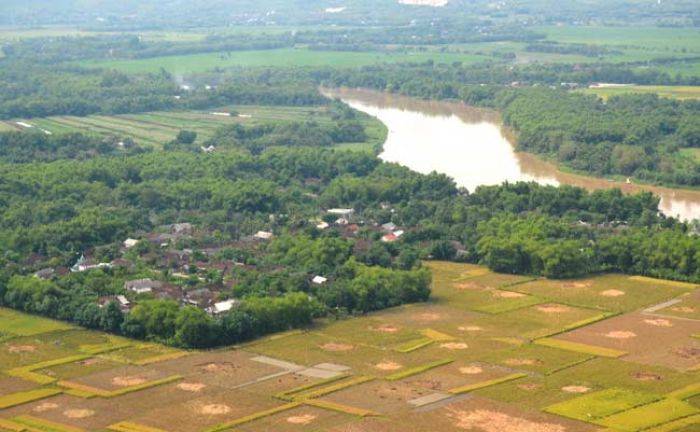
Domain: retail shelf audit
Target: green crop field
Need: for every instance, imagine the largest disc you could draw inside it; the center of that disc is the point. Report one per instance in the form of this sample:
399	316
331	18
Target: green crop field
158	128
675	92
274	58
352	373
647	37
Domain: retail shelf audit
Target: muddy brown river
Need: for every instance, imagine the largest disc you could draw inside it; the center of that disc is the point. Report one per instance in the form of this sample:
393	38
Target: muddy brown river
471	146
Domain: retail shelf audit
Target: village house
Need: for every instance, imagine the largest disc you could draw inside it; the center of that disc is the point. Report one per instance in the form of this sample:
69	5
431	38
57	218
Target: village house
142	286
83	264
129	243
202	298
122	301
263	235
319	280
223	306
392	236
341	212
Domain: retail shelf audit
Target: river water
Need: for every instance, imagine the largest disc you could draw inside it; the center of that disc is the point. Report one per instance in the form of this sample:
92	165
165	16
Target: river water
471	146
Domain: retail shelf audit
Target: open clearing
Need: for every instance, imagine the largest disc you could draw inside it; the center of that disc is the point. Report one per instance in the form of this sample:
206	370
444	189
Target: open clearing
490	353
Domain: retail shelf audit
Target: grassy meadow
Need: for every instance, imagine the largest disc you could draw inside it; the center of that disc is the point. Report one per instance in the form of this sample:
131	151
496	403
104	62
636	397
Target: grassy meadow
287	57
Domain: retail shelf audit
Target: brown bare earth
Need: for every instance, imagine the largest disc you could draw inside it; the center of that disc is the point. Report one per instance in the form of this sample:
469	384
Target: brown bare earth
621	334
575	389
78	413
612	293
214	409
388	366
494	421
191	387
301	419
386	328
337	347
454	346
127	381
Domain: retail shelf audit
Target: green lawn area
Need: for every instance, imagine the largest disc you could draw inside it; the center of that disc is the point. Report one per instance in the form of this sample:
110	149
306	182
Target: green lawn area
288	57
692	152
676	92
646	37
19	324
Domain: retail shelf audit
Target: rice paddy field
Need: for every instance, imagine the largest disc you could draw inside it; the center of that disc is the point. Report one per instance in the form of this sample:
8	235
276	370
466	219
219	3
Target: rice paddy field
287	57
675	92
489	353
158	128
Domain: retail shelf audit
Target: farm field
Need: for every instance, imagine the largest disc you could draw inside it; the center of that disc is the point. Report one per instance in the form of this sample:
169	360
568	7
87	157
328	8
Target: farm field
675	92
274	58
489	353
158	128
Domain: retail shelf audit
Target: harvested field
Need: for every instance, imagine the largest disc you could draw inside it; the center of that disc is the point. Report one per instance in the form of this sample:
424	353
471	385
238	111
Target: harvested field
666	342
489	353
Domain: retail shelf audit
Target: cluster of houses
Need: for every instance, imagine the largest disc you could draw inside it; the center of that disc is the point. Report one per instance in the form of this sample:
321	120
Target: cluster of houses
189	282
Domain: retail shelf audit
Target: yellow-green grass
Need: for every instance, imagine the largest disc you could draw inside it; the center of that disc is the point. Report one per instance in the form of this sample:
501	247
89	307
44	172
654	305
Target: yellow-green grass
580	348
344	409
251	418
289	395
313	348
603	292
30	373
20	398
542	320
21	324
675	92
144	354
648	416
602	404
132	427
286	57
42	425
107	394
604	372
665	39
371	331
686	392
484	384
417	370
6	127
314	393
536	359
693	153
687	424
413	345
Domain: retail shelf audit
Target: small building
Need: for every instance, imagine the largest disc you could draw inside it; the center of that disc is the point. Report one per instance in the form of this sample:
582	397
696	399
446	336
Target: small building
208	149
83	264
263	235
322	226
223	306
342	212
392	236
123	303
342	221
319	280
142	286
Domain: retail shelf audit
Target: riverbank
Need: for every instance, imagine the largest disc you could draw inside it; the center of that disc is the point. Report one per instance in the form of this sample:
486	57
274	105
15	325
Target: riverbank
472	146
